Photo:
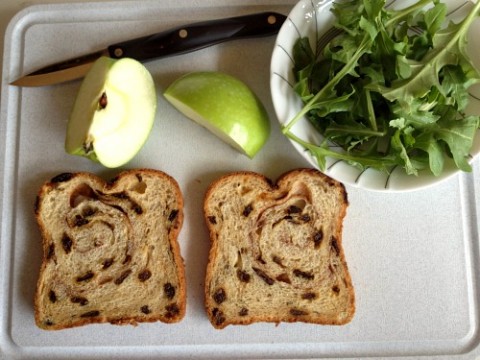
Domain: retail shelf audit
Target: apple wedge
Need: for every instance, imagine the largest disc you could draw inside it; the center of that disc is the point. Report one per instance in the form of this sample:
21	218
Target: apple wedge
225	106
113	113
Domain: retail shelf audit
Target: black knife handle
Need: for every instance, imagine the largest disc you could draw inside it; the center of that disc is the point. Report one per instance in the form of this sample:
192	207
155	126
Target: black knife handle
198	35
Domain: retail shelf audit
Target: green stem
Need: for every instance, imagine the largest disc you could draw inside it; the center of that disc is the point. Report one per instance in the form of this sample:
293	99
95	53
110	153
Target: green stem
400	14
464	25
367	161
474	13
338	129
372	119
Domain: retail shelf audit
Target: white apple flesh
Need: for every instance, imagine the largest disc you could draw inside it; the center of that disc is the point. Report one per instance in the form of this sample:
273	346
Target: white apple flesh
225	106
113	113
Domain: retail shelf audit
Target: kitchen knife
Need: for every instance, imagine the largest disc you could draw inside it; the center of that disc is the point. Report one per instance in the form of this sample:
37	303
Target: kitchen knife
175	41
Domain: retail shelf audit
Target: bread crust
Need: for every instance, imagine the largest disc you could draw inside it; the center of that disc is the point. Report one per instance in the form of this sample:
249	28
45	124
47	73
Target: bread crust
119	239
255	194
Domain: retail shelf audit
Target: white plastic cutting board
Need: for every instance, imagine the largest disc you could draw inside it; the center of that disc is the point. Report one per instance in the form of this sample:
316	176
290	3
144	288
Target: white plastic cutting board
413	257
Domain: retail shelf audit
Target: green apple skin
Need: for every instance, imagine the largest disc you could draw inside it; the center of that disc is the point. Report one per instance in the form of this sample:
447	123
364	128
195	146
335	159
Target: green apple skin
225	106
113	113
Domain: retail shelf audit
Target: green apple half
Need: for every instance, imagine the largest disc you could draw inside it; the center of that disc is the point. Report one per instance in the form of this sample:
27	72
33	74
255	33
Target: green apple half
113	113
225	106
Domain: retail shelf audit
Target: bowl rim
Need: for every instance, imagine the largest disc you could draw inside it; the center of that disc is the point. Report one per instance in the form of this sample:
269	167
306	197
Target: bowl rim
311	18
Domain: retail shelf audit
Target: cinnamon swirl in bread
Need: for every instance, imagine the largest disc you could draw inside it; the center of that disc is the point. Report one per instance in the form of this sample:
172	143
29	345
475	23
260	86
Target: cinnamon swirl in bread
276	250
110	251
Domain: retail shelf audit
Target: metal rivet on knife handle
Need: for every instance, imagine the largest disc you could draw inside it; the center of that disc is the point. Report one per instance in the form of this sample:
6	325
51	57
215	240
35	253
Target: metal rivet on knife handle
118	52
272	19
183	33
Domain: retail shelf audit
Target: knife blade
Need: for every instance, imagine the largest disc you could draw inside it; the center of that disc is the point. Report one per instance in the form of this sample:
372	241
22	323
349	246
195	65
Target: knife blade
176	41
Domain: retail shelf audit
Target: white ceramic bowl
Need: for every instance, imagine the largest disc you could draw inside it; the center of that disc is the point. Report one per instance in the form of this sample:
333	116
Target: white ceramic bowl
312	18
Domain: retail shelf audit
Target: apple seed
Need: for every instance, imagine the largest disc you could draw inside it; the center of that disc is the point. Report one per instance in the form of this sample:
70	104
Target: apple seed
103	100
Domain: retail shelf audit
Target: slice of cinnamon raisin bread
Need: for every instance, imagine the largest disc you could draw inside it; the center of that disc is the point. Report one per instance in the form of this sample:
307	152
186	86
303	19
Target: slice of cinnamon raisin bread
110	250
276	250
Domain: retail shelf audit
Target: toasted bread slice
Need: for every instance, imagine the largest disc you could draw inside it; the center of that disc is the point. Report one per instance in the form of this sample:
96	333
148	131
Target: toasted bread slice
276	250
110	250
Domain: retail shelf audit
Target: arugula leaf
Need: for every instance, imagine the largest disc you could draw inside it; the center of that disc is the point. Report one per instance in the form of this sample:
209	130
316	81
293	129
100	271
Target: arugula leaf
391	89
303	55
448	49
458	134
435	17
428	143
402	140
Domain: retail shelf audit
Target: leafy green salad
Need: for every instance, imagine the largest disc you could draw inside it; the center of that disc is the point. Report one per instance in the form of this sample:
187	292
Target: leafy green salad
391	89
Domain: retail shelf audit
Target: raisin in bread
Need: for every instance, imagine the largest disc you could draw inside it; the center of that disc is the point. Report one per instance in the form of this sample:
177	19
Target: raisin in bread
110	250
276	250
